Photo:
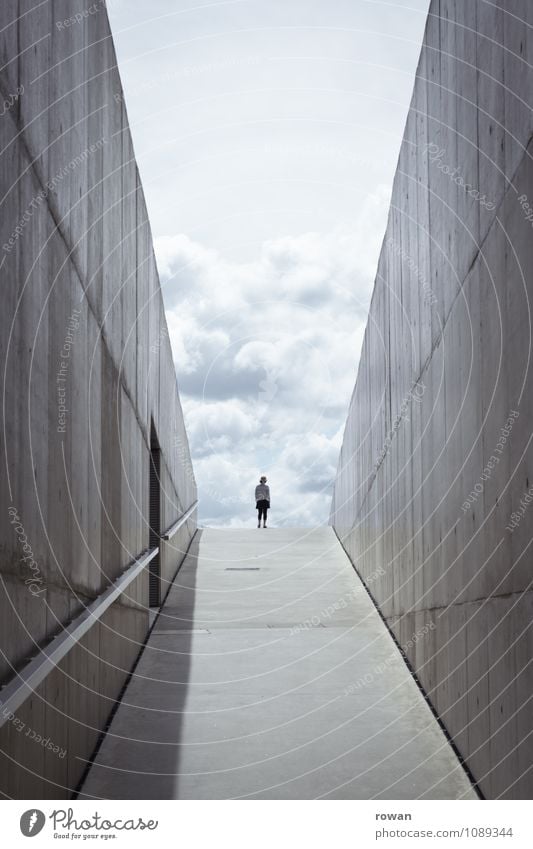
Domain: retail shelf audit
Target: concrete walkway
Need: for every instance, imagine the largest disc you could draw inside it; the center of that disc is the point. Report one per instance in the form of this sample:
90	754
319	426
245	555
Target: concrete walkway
269	675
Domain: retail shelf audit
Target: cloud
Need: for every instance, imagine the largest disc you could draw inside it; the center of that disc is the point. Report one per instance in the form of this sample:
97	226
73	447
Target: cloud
218	427
267	181
266	354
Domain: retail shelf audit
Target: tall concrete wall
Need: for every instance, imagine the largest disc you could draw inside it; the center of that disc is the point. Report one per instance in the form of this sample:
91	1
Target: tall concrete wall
82	328
437	453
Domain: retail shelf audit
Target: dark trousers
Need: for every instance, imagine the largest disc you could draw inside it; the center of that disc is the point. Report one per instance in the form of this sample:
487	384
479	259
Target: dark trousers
262	507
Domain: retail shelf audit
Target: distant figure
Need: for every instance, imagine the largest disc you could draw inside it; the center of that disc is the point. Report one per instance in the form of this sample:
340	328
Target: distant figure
262	500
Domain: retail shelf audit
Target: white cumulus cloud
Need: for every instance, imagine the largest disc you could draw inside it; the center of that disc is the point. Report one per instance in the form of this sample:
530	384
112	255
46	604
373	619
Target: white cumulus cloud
266	354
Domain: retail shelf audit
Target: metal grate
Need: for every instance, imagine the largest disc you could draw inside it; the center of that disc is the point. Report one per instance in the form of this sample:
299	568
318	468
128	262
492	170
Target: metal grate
155	523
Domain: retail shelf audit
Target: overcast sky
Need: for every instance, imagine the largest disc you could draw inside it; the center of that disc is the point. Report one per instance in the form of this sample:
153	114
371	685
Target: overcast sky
267	134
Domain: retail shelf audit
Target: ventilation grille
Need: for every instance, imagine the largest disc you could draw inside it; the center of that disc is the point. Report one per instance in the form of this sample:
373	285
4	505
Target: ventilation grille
155	528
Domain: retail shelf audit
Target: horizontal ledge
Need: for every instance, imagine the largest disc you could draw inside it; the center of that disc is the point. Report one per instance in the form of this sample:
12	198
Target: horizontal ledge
168	534
14	694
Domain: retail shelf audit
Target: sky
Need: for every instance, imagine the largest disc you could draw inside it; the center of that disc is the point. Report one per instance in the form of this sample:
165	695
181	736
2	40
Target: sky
267	134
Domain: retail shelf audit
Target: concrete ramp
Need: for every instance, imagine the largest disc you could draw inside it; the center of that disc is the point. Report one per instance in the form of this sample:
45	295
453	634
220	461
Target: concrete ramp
269	675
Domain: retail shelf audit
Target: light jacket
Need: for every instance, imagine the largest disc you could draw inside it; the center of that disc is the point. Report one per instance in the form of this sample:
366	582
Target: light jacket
262	492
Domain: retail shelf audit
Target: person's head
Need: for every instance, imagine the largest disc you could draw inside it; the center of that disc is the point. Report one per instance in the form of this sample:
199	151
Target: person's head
262	479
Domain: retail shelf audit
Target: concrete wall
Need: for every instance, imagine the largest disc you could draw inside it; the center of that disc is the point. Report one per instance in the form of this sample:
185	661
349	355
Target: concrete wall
80	299
427	480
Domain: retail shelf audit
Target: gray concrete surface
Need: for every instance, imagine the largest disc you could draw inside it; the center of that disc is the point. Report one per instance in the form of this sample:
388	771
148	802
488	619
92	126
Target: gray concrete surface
270	675
74	235
446	361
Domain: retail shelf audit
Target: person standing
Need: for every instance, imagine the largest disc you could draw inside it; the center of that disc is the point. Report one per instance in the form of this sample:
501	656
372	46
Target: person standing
262	500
